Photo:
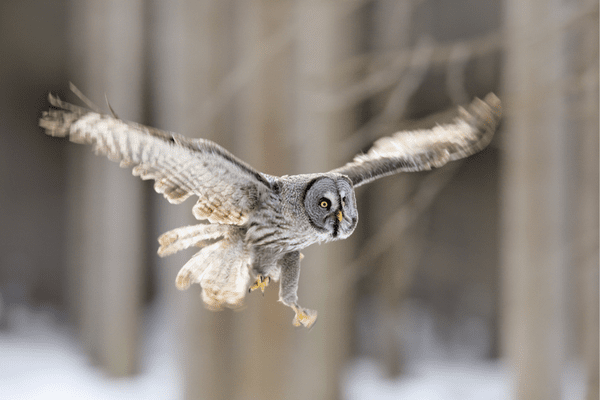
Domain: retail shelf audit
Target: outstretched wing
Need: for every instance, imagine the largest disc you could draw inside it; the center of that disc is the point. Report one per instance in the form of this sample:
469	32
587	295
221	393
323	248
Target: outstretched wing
228	189
422	150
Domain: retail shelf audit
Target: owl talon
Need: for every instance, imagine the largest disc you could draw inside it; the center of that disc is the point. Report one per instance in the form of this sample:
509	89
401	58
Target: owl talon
304	317
261	283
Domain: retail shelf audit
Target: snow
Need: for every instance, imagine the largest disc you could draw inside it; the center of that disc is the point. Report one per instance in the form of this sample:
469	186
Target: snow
437	380
40	358
445	380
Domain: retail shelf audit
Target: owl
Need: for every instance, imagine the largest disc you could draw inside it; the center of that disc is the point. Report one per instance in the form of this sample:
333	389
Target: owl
254	225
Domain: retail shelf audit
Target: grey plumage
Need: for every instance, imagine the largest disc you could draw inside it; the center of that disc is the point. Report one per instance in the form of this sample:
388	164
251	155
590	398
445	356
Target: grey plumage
254	225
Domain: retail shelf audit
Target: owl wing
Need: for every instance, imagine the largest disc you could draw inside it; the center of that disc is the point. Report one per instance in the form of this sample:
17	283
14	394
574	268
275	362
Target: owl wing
422	150
228	189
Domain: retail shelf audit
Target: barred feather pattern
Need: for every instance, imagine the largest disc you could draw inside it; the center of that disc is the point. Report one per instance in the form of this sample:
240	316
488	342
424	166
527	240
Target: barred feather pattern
228	189
221	267
195	235
223	271
421	150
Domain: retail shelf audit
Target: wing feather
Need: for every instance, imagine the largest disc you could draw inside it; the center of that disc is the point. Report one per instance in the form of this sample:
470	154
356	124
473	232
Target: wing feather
422	150
228	189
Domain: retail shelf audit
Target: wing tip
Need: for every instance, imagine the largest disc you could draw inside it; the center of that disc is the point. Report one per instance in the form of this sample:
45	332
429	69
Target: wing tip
495	104
492	99
490	104
484	114
57	122
54	100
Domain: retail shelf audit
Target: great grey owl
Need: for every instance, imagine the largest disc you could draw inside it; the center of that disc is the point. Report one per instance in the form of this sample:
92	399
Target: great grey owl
254	224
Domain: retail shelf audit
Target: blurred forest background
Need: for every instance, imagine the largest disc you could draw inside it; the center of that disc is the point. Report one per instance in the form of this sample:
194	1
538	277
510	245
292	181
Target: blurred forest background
478	280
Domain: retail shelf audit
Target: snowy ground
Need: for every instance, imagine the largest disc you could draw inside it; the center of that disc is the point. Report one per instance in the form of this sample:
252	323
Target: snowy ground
432	380
444	380
40	359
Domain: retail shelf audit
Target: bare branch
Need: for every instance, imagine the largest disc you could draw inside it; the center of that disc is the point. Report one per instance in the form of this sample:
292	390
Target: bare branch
245	71
403	218
455	73
387	67
397	101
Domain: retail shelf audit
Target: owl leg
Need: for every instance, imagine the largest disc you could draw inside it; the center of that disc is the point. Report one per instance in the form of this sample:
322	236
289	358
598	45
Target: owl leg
261	283
290	273
263	266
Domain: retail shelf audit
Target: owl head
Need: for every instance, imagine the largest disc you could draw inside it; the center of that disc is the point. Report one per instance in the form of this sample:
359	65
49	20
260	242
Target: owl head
331	206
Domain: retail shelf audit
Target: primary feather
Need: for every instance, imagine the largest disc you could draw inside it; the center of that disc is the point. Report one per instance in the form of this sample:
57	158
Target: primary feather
180	167
420	150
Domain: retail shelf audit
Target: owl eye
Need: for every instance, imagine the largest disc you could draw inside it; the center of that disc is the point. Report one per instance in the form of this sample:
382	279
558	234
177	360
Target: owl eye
324	203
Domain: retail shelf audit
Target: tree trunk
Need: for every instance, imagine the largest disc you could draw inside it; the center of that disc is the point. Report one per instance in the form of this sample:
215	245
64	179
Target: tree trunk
534	248
325	38
108	43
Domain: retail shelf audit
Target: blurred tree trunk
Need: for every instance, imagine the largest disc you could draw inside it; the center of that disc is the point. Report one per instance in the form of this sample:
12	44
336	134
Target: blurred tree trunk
325	37
588	233
583	114
392	33
264	330
107	217
169	77
534	248
208	350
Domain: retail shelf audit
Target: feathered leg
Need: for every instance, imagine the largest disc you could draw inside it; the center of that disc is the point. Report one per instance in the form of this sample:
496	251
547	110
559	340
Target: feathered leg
266	267
290	273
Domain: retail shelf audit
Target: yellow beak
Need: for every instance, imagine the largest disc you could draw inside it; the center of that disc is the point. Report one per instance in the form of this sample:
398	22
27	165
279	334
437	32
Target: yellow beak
340	216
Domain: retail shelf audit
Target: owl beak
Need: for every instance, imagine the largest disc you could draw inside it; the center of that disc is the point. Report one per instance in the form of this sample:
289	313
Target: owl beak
340	216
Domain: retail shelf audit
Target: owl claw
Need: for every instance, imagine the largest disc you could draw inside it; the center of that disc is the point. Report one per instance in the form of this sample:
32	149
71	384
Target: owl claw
304	317
261	283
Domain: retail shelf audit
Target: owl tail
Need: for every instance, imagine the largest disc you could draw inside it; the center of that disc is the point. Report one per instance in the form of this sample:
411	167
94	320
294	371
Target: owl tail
221	268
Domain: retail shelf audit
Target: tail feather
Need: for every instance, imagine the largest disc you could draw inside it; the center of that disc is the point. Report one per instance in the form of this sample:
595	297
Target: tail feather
193	270
222	270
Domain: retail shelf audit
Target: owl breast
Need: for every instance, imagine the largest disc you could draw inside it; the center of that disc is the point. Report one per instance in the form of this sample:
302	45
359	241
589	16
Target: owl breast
274	233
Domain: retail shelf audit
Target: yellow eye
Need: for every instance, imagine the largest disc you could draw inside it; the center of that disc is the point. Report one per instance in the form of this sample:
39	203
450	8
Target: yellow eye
324	204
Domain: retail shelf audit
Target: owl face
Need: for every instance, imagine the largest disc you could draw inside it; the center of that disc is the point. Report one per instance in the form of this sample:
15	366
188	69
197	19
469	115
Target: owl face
331	206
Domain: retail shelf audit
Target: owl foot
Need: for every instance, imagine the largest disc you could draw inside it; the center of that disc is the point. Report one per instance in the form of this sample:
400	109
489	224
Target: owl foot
304	316
261	283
